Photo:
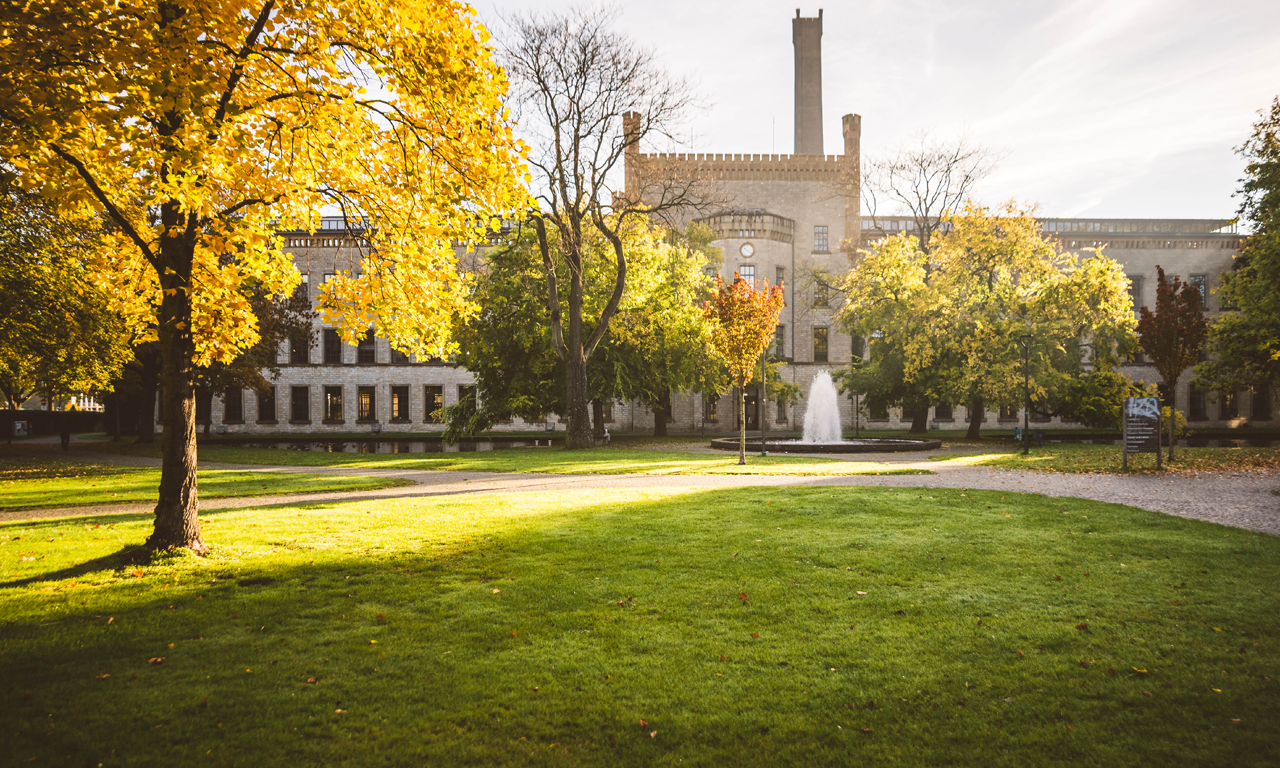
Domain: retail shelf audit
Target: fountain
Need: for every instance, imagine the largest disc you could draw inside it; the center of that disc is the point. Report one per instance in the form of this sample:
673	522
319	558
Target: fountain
822	430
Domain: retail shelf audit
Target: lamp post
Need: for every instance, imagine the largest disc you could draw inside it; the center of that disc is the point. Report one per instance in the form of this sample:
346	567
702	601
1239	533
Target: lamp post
1026	393
760	408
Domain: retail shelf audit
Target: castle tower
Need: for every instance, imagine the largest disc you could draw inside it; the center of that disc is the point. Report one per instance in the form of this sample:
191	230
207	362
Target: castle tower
806	37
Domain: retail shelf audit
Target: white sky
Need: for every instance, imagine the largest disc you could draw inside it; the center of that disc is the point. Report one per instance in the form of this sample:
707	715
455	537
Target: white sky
1108	108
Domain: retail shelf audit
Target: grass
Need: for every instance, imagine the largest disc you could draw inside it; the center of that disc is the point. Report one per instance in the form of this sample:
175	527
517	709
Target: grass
672	627
1106	459
612	460
38	478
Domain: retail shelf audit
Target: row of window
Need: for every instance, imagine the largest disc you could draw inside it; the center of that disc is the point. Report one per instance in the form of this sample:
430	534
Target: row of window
1229	405
1201	282
331	349
334	406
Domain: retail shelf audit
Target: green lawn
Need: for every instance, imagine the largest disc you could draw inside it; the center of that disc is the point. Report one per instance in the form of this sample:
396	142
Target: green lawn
608	461
45	479
1077	458
674	627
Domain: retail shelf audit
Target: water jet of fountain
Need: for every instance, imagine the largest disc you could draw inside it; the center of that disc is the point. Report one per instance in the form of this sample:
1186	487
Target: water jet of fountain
822	417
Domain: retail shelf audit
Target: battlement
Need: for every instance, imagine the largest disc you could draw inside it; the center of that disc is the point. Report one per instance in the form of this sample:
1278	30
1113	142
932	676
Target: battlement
748	167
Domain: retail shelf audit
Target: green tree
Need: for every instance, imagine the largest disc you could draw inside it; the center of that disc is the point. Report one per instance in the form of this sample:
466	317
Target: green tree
586	97
57	333
1246	344
743	321
949	326
1174	335
199	128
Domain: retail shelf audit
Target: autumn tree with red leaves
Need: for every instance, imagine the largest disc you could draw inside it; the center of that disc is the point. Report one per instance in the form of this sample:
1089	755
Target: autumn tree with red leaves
1174	334
743	319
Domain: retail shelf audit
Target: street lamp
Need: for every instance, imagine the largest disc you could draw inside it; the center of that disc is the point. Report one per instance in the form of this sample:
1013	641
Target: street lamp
760	409
1026	393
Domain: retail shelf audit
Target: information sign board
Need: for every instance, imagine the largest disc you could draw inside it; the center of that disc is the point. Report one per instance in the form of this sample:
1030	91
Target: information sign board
1141	427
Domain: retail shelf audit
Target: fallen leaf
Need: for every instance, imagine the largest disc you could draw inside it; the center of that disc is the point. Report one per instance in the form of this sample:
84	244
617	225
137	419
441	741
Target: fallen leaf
204	703
513	633
373	642
755	634
1071	727
861	593
138	573
1140	671
735	554
156	660
496	591
1235	721
1082	625
867	730
1146	693
103	676
311	680
113	618
336	712
899	613
1111	670
653	734
644	723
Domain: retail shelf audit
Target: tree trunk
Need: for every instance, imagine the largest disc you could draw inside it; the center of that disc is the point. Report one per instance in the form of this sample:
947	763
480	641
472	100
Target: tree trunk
920	419
206	400
150	374
177	522
976	414
662	414
115	414
742	423
597	420
1173	418
64	427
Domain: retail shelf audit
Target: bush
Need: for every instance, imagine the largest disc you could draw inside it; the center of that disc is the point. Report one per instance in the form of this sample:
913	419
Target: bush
1179	425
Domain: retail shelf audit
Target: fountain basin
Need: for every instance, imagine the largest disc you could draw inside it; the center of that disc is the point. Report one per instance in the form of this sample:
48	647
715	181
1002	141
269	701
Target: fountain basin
861	445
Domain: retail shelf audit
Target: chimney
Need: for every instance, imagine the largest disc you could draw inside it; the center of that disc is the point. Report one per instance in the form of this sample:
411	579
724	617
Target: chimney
806	36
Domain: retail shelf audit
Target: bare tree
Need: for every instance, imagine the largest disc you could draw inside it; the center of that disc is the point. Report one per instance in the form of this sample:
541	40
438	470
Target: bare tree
924	177
585	96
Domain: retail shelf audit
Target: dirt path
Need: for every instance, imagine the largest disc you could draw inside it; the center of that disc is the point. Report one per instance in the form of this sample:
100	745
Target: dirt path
1241	499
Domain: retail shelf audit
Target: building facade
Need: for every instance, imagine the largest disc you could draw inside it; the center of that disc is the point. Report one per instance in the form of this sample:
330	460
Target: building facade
791	219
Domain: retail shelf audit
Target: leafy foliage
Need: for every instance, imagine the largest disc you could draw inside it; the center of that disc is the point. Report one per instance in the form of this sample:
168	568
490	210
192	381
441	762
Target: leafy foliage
1173	336
949	325
57	334
743	319
1247	343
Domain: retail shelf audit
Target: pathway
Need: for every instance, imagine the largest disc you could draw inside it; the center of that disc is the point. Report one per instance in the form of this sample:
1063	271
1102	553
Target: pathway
1245	499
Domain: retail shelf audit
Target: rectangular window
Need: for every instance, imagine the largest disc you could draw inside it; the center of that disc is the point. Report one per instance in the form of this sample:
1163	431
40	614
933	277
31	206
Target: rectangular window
300	404
878	412
782	410
1198	408
943	413
267	406
367	404
820	240
434	405
467	397
710	406
398	357
203	408
780	276
333	404
366	349
300	349
399	403
1135	292
748	273
780	341
821	295
233	406
1229	405
332	347
303	290
1008	413
819	345
1262	403
1199	282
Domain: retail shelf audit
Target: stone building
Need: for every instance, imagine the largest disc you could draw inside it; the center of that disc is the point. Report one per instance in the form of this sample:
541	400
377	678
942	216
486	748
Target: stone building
786	220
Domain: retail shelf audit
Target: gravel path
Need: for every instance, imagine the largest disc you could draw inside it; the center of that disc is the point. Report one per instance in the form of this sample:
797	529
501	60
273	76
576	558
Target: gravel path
1241	499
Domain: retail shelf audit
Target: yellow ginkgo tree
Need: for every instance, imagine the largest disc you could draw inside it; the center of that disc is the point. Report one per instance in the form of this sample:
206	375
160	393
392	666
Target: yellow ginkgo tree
200	128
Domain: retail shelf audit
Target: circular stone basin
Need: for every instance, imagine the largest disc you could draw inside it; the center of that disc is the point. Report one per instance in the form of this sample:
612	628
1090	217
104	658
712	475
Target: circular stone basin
861	445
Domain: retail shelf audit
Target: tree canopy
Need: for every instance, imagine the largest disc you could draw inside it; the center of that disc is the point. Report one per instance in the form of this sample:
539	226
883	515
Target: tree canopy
950	325
1173	336
57	334
200	128
743	320
1246	344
